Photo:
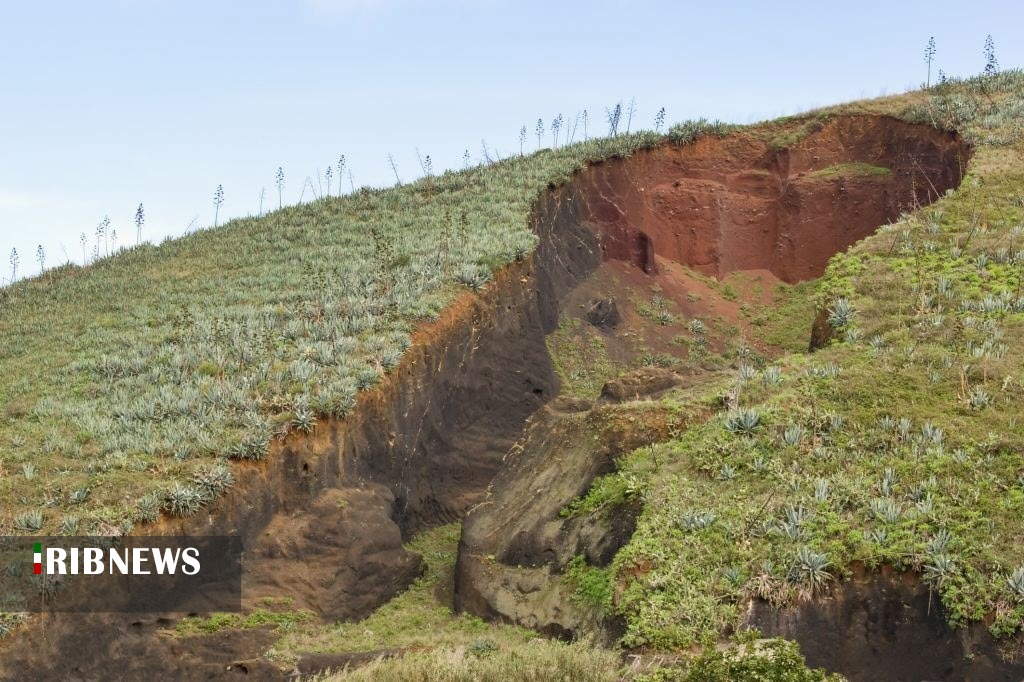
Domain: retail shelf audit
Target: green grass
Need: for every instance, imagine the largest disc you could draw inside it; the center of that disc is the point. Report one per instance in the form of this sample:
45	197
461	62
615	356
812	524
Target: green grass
845	170
783	133
592	586
748	660
581	359
283	620
786	325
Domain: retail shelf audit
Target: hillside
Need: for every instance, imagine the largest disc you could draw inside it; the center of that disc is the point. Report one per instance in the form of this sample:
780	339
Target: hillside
602	347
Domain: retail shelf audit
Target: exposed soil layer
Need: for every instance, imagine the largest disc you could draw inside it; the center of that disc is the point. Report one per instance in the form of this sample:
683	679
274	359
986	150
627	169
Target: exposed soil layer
737	203
886	625
515	543
422	448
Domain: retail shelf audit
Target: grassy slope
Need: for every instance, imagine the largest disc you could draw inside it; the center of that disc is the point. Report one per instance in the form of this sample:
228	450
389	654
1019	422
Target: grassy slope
127	381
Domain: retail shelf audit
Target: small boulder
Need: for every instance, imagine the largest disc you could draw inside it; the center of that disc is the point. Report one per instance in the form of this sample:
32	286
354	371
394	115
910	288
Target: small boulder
569	405
603	314
822	332
646	382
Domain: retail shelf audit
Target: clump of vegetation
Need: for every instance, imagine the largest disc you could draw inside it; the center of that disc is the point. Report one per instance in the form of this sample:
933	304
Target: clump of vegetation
748	659
260	618
592	585
847	170
580	355
692	130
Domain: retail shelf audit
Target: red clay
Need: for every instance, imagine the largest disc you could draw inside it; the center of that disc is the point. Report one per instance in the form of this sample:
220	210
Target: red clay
737	203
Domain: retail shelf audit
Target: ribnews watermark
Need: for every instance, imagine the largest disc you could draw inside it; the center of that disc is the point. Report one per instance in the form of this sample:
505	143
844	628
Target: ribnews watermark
128	574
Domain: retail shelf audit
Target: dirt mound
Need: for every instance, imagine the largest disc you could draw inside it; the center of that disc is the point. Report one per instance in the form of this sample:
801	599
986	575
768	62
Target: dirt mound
738	203
341	558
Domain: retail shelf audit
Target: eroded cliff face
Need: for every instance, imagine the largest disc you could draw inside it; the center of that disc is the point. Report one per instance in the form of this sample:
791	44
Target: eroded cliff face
733	203
421	449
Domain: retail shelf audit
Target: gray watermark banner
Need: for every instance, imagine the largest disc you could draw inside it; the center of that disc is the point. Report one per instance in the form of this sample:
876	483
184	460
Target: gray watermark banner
128	574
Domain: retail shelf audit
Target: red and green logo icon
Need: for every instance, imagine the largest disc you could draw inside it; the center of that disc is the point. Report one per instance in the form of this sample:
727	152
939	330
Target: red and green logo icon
37	558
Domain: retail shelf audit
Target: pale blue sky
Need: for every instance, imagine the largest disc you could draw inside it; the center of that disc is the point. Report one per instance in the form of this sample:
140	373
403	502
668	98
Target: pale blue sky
107	103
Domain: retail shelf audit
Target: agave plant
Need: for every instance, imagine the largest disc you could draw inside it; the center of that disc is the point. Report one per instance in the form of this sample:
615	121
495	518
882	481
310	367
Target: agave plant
733	575
840	313
771	376
148	508
213	481
790	530
821	490
183	500
253	446
69	525
29	522
743	421
792	435
888	482
886	510
829	370
746	373
727	472
303	419
932	433
979	398
689	131
797	515
473	277
697	520
939	542
810	571
939	568
1015	583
